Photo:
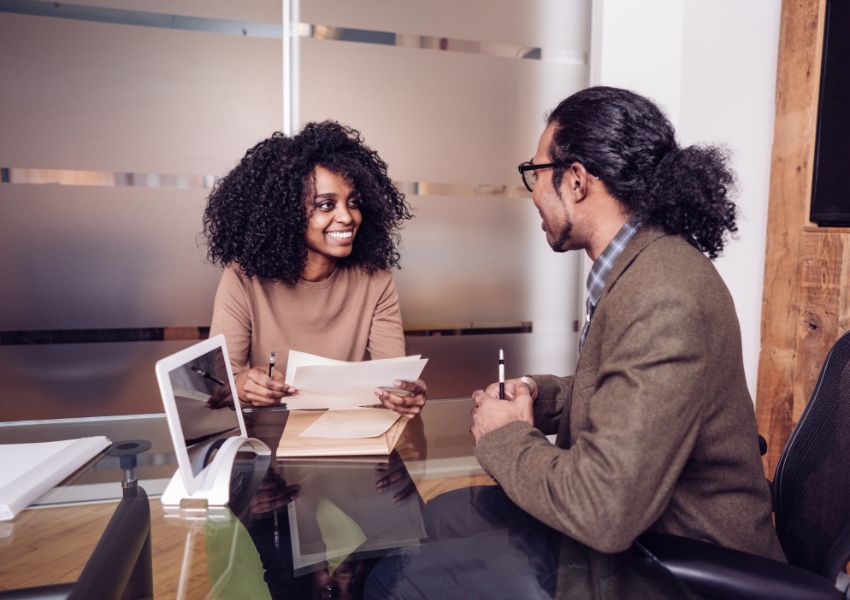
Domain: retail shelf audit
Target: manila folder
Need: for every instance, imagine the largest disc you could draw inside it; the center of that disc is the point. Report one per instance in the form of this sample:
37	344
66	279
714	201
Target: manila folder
293	444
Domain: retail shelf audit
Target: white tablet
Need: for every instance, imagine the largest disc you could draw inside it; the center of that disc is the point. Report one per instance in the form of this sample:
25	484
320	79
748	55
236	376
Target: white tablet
201	405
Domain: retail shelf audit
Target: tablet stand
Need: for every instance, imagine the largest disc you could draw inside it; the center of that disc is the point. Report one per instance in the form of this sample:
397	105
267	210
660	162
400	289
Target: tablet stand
215	488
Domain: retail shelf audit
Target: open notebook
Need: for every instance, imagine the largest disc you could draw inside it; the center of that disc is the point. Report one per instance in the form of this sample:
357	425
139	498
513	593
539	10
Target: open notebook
340	433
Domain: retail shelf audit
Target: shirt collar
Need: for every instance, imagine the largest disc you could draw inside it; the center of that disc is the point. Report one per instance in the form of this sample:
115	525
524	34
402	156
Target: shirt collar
602	265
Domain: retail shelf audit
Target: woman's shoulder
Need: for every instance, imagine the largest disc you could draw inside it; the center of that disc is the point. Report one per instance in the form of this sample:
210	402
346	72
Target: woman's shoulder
233	275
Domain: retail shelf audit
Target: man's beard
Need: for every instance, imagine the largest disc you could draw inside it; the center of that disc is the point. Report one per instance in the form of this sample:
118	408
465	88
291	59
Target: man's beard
563	237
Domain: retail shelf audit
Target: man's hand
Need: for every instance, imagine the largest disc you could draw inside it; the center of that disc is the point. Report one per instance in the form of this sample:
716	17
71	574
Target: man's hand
408	405
511	387
257	388
491	413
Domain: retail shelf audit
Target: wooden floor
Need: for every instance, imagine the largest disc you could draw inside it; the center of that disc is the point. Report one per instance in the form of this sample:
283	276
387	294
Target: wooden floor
51	545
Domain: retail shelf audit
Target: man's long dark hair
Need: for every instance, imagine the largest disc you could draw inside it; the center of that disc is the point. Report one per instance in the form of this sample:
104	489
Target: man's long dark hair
626	141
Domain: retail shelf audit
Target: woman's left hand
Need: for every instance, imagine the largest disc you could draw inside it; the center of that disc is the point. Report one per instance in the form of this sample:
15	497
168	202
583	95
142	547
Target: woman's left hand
409	404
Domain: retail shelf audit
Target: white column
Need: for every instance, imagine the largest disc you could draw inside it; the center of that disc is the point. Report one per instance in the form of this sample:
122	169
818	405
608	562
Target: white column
711	66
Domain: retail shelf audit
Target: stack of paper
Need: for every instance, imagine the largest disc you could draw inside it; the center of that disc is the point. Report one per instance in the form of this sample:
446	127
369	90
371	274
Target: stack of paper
327	383
346	429
30	470
354	432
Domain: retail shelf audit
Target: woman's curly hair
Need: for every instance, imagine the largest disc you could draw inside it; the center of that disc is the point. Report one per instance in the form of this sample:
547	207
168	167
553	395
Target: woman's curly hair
256	216
626	141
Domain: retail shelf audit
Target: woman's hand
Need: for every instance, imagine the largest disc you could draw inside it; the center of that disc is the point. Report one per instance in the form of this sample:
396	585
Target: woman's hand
255	387
272	494
393	472
406	404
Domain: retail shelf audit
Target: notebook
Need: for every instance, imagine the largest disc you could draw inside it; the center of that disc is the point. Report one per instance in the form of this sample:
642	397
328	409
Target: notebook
293	444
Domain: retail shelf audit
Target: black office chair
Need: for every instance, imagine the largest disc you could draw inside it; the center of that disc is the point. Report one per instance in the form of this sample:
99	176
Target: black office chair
811	502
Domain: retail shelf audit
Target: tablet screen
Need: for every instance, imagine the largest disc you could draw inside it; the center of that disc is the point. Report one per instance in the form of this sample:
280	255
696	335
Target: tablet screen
205	406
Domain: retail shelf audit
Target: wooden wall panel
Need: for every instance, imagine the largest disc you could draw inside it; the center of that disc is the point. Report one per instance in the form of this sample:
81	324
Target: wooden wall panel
844	293
806	304
817	328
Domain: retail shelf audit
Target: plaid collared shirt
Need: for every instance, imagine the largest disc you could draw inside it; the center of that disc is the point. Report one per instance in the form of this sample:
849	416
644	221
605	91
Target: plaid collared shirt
600	269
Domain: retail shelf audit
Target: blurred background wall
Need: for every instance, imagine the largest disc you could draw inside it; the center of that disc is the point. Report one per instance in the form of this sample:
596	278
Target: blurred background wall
118	115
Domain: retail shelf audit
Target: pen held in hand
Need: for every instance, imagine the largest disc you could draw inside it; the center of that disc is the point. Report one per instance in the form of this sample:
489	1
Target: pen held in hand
272	358
501	374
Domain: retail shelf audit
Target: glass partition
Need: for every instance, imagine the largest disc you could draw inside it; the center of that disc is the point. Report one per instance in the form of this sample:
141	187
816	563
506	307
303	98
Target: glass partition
453	98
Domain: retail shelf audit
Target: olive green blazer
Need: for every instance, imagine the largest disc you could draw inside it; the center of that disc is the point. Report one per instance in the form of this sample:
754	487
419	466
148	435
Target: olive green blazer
656	429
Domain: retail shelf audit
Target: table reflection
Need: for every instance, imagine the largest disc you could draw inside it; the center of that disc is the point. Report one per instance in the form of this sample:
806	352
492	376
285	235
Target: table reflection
318	526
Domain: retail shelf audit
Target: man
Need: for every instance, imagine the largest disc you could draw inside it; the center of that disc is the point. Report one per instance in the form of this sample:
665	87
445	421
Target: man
656	429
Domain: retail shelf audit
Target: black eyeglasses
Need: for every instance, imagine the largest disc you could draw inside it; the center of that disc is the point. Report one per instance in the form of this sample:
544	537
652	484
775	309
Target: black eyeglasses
528	171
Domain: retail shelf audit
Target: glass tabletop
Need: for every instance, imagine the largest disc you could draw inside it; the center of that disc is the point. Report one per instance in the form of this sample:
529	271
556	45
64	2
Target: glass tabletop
295	527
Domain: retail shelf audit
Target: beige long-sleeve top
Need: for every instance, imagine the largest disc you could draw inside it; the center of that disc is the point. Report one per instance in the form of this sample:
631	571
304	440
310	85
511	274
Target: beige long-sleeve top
346	316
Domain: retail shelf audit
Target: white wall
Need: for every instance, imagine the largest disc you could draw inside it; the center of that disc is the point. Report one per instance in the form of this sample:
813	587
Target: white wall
711	64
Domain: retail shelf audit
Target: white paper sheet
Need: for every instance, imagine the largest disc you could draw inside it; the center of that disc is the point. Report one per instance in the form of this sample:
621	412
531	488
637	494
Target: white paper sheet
30	470
352	423
297	359
328	383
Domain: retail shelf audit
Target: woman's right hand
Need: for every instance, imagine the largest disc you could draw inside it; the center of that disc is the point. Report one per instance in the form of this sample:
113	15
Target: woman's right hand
255	387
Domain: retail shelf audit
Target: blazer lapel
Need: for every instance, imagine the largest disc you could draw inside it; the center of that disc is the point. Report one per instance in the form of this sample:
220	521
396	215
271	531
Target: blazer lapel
641	239
589	357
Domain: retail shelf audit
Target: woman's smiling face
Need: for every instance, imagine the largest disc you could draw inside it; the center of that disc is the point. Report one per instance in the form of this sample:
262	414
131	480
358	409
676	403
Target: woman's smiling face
333	217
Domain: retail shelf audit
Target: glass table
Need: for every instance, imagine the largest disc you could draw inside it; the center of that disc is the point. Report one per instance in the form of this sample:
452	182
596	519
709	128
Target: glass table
295	527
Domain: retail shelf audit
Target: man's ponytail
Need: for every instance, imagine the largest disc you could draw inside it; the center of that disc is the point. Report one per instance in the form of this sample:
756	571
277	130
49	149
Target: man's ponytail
690	195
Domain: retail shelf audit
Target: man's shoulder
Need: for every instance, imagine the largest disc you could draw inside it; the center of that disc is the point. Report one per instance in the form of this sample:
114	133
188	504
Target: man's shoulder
671	246
668	267
671	260
667	287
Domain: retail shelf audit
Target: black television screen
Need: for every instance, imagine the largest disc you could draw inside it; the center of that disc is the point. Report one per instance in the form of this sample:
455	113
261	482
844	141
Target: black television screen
831	183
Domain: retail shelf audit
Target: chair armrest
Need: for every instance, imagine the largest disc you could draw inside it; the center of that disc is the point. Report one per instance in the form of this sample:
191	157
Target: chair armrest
121	564
716	572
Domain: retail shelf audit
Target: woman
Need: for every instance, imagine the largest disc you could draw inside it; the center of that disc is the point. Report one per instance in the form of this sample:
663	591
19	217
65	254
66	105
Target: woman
306	228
